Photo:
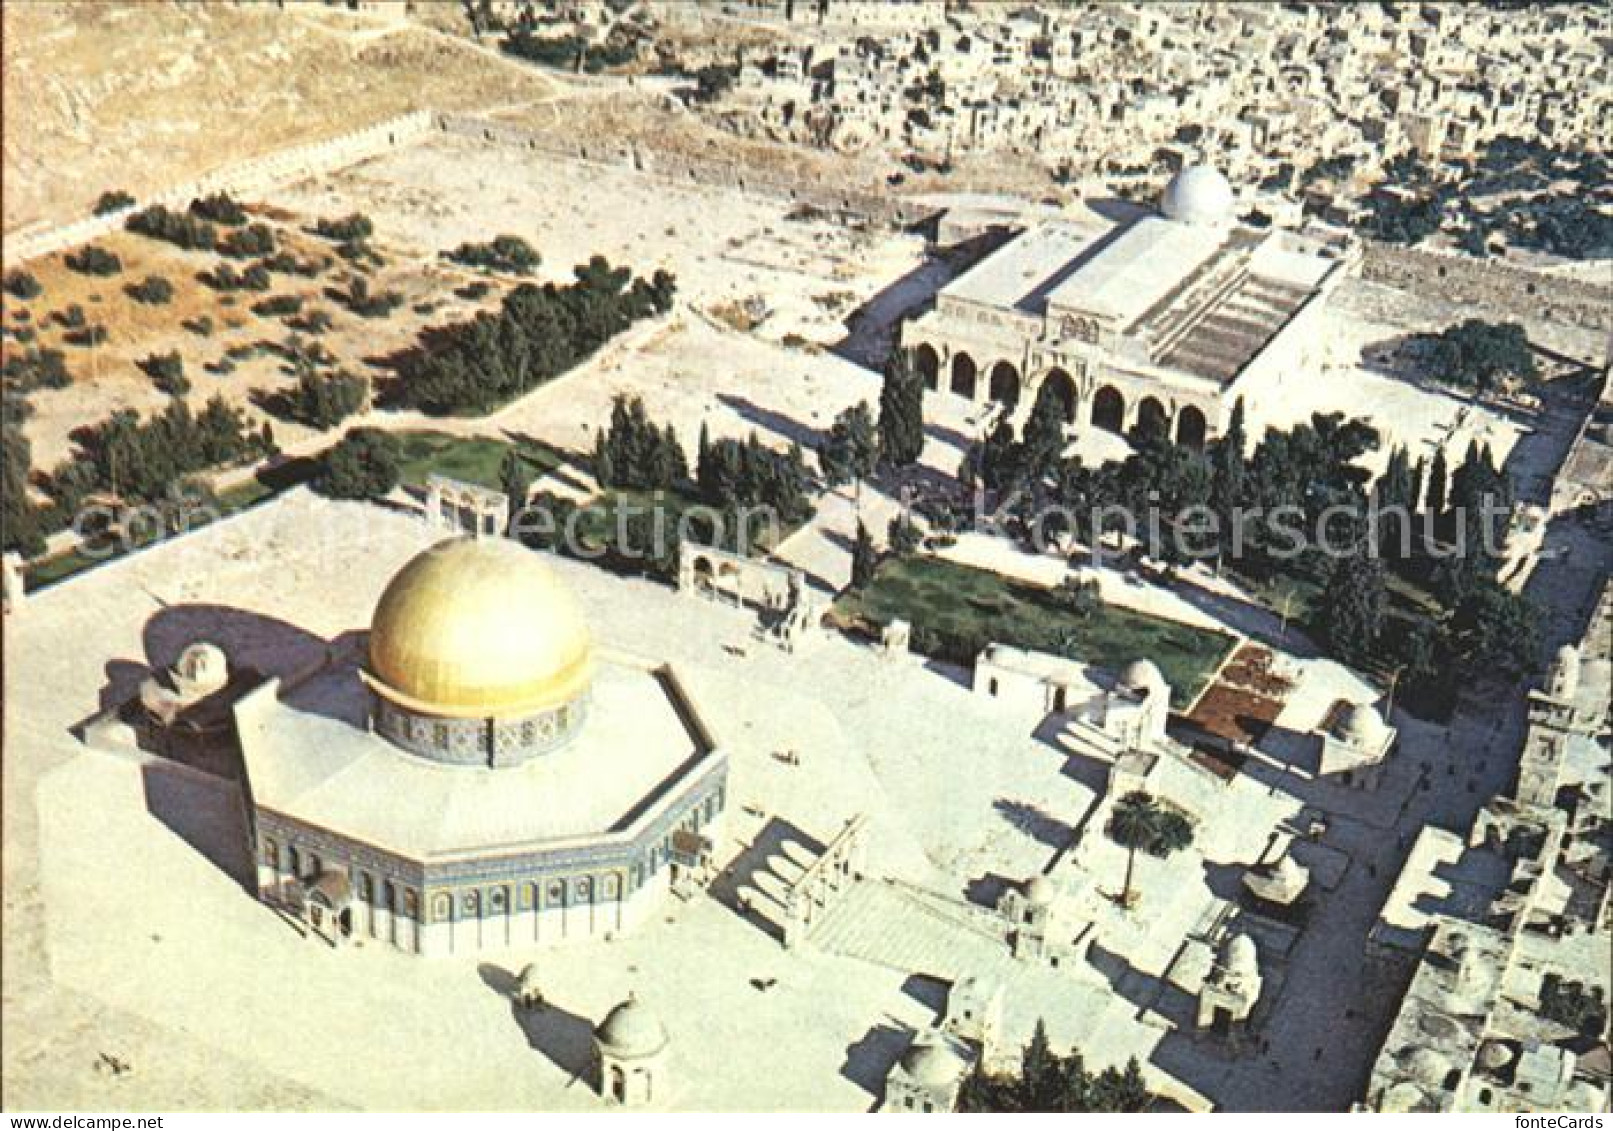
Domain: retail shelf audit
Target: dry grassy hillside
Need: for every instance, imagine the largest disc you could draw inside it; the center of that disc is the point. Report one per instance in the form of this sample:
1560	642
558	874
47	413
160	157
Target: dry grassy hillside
141	95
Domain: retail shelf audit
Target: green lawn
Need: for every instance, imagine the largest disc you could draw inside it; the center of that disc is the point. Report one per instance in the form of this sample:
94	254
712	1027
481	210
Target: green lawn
961	609
470	459
50	570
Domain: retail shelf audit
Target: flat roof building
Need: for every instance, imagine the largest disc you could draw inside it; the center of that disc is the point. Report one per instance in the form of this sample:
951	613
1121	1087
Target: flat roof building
1159	321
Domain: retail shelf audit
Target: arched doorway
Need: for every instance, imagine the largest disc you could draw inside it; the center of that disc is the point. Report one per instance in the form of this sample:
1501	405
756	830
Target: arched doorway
1109	409
929	363
964	373
1190	427
1152	419
1061	386
1004	387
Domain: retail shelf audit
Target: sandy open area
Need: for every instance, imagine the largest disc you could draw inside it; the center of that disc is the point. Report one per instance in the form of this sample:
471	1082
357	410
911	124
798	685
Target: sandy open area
143	96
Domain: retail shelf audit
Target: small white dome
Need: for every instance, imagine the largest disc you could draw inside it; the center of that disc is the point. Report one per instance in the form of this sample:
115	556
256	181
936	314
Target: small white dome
930	1060
1039	890
631	1030
1359	724
1241	958
201	669
1495	1055
1143	677
1198	194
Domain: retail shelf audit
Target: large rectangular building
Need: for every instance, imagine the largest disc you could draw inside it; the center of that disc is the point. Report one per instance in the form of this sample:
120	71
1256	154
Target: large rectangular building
1160	320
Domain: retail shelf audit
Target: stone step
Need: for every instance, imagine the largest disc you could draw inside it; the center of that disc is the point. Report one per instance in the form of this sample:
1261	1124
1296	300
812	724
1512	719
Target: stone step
1082	737
885	924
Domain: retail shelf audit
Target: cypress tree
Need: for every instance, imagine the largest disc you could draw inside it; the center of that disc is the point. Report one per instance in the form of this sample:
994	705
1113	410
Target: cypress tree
1437	484
1227	462
864	558
515	479
1351	609
901	411
1044	432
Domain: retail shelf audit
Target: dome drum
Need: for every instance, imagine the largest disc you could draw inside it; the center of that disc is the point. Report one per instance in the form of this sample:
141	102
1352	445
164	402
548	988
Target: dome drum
493	741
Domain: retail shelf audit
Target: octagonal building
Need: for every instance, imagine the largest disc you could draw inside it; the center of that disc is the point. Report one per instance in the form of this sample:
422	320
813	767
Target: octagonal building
485	777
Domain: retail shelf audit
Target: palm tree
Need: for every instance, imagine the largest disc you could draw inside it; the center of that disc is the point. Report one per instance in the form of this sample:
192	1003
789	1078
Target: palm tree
1140	821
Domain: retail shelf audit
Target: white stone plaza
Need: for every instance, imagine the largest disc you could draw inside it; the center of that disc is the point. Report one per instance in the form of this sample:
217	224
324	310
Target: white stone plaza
964	796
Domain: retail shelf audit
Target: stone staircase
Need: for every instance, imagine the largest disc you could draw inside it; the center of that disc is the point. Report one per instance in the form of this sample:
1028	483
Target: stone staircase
906	928
1084	737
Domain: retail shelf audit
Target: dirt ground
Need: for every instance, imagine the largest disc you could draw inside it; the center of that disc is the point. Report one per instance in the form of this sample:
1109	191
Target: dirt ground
141	96
108	377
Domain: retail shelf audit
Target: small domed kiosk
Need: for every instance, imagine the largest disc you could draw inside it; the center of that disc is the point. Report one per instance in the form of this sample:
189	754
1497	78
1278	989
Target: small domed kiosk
630	1047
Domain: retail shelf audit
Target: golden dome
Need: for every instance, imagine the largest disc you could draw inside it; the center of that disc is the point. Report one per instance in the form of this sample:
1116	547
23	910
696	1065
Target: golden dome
478	627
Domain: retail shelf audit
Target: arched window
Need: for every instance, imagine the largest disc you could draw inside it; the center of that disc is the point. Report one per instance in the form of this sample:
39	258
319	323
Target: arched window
271	852
1061	387
1004	387
1152	420
1109	409
442	907
1190	427
963	375
929	365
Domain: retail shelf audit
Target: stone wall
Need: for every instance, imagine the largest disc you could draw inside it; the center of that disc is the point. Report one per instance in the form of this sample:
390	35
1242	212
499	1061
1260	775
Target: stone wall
1484	283
251	178
691	170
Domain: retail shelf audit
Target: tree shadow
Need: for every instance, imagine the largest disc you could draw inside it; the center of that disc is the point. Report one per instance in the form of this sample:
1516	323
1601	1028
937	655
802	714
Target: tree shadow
1035	822
1247	617
772	421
